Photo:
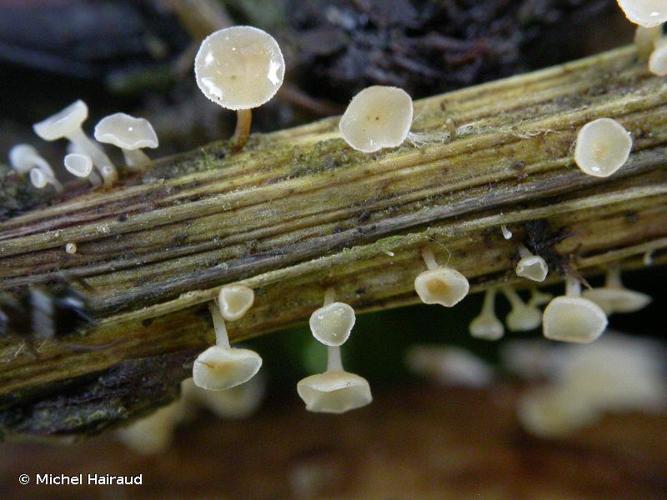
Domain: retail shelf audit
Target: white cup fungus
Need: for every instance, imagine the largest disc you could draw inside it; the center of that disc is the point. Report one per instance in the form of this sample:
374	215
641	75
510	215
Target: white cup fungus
221	366
441	285
81	165
487	326
572	318
530	266
239	68
334	391
66	124
24	158
613	297
522	317
130	134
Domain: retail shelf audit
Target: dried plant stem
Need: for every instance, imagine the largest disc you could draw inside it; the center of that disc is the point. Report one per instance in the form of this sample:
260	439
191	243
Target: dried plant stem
297	212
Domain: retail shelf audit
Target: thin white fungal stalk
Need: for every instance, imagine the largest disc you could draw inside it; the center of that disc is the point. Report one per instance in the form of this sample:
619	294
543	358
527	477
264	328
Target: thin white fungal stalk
572	287
334	359
221	335
646	40
429	258
135	157
507	234
524	252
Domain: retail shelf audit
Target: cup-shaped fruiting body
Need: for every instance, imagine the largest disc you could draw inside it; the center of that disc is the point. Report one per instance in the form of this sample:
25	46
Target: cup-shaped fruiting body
66	124
239	68
130	134
522	317
532	267
572	318
377	117
24	158
603	147
487	325
221	366
235	301
657	62
331	324
440	284
646	13
81	165
239	402
613	297
335	390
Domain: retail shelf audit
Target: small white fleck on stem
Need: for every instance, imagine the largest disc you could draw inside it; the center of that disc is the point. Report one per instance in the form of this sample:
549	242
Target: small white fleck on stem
71	248
648	258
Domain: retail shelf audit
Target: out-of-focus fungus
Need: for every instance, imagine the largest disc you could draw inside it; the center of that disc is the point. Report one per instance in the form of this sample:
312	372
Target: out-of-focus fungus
440	284
130	134
81	165
335	390
221	366
449	366
240	68
530	266
66	124
24	158
572	318
613	297
522	317
487	325
657	63
603	146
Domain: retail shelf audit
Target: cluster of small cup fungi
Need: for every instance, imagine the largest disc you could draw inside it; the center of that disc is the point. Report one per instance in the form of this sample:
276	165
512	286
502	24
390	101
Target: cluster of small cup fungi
241	68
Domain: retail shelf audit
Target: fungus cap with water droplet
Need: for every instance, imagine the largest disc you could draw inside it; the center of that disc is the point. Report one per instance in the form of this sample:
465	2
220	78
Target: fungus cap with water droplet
377	117
331	324
234	301
444	286
603	147
334	392
646	13
573	319
219	368
241	67
126	132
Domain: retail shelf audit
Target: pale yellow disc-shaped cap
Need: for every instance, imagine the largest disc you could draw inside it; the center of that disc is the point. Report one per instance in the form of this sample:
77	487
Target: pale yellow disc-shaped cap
617	300
657	63
334	392
78	164
603	146
219	368
331	325
533	268
573	319
235	300
646	13
239	67
126	132
377	117
444	286
62	123
523	318
486	327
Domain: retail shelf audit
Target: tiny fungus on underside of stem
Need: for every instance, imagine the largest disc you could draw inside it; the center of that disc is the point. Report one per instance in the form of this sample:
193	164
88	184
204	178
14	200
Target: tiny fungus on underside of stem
239	68
572	318
81	165
487	325
221	366
613	297
25	158
335	390
441	285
